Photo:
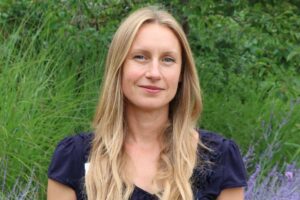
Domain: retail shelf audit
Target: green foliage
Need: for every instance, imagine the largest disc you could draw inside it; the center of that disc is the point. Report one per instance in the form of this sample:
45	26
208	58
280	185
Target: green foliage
52	55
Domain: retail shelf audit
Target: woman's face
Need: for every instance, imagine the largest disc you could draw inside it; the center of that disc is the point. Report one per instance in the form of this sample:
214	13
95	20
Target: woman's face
151	71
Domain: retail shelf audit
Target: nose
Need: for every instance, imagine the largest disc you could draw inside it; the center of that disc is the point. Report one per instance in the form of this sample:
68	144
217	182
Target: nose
153	71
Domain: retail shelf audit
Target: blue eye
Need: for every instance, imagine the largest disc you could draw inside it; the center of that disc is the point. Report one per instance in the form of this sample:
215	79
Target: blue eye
168	59
139	57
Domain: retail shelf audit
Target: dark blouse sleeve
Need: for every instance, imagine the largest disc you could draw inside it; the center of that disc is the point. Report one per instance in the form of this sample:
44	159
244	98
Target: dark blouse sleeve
67	164
234	173
224	169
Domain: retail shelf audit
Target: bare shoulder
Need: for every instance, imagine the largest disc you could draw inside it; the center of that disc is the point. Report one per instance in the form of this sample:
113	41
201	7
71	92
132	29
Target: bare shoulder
232	194
57	190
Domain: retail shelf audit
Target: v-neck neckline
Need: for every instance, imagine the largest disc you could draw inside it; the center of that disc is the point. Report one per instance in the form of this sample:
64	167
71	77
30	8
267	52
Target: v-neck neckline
149	195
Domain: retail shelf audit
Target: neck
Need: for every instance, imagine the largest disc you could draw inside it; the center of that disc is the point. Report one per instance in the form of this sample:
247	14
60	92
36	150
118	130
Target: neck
145	127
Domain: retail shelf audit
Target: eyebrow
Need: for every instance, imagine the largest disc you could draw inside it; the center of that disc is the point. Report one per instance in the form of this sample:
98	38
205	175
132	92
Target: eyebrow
140	50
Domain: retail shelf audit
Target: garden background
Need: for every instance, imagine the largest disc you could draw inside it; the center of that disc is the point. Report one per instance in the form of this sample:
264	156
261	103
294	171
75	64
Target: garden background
52	55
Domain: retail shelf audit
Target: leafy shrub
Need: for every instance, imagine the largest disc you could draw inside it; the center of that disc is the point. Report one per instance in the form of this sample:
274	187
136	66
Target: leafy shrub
52	55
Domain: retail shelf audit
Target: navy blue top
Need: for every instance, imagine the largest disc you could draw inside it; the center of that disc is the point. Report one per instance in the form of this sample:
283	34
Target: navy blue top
225	171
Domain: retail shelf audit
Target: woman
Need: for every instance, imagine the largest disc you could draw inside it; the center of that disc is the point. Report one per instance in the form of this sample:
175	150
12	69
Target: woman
145	144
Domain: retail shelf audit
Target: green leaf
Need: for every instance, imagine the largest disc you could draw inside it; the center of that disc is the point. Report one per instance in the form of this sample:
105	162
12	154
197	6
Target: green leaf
292	54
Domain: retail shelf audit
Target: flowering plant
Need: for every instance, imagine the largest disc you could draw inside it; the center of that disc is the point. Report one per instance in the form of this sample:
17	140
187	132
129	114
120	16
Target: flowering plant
275	185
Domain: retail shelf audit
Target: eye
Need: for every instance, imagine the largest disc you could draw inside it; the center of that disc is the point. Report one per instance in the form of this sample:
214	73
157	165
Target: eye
139	57
168	60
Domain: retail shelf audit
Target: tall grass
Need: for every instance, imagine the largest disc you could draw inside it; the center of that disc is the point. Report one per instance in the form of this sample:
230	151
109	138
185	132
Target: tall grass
48	89
21	188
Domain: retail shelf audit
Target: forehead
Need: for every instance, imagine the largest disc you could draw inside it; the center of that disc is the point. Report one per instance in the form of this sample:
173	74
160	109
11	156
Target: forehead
151	35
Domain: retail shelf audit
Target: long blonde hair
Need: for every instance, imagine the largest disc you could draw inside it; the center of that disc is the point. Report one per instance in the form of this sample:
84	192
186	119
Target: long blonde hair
106	178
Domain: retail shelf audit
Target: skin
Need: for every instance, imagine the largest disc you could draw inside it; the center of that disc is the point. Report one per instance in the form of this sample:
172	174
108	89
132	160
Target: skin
232	194
150	77
151	74
57	190
152	69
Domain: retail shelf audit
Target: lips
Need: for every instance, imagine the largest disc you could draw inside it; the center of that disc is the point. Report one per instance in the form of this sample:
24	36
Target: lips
151	89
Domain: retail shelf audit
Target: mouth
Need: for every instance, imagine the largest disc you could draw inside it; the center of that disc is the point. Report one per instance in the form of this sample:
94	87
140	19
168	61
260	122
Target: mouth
151	89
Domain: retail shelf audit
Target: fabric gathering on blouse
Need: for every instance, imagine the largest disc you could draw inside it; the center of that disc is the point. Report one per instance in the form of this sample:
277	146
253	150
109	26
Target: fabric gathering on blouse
225	168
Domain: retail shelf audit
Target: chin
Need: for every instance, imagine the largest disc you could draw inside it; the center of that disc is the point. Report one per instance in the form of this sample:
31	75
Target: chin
149	106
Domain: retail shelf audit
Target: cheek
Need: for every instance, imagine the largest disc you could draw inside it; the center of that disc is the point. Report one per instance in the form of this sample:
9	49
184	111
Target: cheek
130	77
174	77
174	82
125	82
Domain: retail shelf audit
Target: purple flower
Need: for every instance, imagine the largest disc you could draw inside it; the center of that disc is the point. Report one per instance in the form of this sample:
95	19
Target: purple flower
289	175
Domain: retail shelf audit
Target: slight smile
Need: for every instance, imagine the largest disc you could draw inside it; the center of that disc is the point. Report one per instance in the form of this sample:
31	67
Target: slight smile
151	89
